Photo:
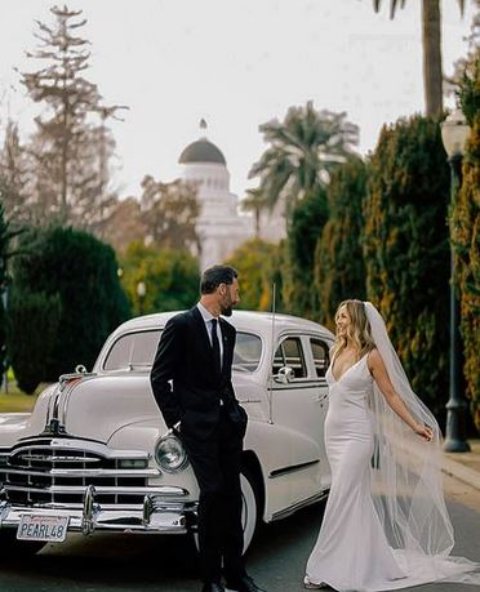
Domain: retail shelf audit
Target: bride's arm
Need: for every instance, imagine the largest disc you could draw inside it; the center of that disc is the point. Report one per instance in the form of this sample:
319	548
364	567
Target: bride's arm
380	374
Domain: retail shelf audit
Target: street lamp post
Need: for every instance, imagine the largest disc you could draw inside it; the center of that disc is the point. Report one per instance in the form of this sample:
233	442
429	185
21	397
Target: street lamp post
141	292
454	135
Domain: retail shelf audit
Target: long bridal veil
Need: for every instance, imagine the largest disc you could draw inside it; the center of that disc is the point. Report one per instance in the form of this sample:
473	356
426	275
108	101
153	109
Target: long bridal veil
407	480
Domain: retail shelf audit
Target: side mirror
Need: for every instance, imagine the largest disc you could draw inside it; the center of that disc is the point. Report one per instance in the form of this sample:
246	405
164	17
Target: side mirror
284	376
80	369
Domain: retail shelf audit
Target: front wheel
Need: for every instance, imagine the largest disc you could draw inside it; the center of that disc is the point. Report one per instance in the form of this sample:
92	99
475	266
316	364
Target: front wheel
250	508
11	547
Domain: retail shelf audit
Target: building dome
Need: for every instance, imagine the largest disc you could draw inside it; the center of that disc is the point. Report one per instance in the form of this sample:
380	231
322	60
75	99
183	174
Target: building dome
202	151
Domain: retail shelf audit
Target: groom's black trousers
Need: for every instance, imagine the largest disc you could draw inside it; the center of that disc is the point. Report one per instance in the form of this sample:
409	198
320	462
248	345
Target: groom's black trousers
216	464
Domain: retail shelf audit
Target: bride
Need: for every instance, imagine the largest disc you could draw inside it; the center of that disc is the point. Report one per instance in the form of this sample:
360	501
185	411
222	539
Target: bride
385	525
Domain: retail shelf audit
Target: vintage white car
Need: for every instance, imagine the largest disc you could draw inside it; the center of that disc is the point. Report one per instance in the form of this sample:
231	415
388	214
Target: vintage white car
95	454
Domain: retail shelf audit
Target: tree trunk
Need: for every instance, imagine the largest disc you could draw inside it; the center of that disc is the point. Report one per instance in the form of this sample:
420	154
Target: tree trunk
432	56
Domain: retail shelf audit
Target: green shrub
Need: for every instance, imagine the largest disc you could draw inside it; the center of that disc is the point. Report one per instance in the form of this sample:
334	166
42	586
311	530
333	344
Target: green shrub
406	250
35	321
308	220
257	264
171	278
339	267
465	226
81	273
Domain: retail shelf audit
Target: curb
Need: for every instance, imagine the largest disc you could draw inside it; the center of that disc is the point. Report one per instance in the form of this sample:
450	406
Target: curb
461	472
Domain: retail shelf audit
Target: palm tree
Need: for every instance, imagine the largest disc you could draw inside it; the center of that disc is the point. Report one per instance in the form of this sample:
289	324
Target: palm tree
432	50
304	150
254	202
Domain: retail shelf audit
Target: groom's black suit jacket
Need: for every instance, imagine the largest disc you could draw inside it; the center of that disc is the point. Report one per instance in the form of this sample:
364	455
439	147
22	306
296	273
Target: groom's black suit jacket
197	390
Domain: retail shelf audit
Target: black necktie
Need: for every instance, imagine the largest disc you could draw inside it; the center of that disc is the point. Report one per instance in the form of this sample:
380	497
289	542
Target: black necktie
216	347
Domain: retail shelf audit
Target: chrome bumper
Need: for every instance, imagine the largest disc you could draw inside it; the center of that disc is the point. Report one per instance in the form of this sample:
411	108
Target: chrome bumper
162	511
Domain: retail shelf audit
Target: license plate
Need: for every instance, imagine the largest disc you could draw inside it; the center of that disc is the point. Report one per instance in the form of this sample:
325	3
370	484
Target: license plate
42	528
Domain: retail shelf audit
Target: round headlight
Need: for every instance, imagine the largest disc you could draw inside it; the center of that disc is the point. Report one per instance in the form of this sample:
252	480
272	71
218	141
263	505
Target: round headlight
170	454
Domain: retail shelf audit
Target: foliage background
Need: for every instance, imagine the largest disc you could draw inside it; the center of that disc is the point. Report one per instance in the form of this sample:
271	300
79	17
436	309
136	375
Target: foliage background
339	268
465	225
171	278
65	285
406	250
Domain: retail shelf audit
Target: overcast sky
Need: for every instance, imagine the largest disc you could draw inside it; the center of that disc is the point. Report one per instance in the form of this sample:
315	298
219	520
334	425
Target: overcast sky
236	63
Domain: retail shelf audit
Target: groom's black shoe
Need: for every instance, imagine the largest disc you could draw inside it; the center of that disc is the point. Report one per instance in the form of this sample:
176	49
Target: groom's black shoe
212	587
245	584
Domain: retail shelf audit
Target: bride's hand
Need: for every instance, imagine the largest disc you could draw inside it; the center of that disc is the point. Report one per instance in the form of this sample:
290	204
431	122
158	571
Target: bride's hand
424	431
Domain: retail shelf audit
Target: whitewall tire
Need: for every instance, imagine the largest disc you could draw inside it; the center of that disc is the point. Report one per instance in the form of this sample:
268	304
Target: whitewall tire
250	509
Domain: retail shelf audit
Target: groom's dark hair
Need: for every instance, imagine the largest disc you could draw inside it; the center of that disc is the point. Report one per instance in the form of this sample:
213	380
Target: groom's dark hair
216	275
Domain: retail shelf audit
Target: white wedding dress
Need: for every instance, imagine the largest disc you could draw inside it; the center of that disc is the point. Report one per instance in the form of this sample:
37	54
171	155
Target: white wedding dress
353	551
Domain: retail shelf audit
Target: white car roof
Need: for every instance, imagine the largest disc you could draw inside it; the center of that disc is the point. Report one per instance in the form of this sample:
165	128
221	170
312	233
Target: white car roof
241	319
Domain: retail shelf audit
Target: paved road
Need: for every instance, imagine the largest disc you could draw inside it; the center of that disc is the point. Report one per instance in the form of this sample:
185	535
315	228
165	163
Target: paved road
145	564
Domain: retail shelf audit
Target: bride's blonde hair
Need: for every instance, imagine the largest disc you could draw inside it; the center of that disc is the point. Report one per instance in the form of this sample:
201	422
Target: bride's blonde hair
358	331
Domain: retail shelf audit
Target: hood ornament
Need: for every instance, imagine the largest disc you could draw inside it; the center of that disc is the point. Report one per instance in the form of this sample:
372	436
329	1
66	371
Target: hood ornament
55	428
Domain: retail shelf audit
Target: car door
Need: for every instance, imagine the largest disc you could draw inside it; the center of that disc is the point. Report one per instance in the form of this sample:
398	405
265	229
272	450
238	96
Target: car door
318	348
299	403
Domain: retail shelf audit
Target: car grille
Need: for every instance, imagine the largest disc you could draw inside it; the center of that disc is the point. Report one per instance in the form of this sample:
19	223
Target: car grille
40	474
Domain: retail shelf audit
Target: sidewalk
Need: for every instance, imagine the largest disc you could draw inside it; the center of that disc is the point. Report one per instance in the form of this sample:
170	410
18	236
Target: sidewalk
464	466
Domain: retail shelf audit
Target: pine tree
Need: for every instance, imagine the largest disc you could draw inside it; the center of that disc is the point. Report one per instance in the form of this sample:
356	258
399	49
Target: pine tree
15	171
70	148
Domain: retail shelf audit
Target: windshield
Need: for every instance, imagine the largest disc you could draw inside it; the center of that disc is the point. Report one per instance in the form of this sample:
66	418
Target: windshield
136	351
247	354
133	351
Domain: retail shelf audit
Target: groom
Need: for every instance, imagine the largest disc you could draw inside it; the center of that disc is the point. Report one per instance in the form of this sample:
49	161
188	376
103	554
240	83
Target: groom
195	353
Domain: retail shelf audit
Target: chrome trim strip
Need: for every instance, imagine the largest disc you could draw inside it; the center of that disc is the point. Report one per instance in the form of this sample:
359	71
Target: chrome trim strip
298	384
292	469
58	459
162	520
167	491
84	472
318	497
73	507
82	446
89	510
62	411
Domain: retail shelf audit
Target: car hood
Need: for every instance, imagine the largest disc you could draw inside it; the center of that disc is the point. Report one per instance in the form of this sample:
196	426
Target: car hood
99	406
93	407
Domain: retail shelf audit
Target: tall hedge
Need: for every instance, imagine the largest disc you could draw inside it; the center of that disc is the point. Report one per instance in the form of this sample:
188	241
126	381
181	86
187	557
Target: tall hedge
339	269
308	220
406	250
77	272
465	225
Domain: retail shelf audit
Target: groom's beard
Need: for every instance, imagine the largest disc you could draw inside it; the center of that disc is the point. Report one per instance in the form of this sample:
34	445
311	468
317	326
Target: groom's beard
227	311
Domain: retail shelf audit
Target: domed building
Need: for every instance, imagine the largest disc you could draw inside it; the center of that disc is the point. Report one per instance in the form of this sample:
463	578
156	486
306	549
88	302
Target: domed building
220	227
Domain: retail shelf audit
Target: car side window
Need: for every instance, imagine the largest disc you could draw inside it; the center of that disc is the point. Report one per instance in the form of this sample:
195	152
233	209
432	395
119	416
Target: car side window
290	353
321	358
